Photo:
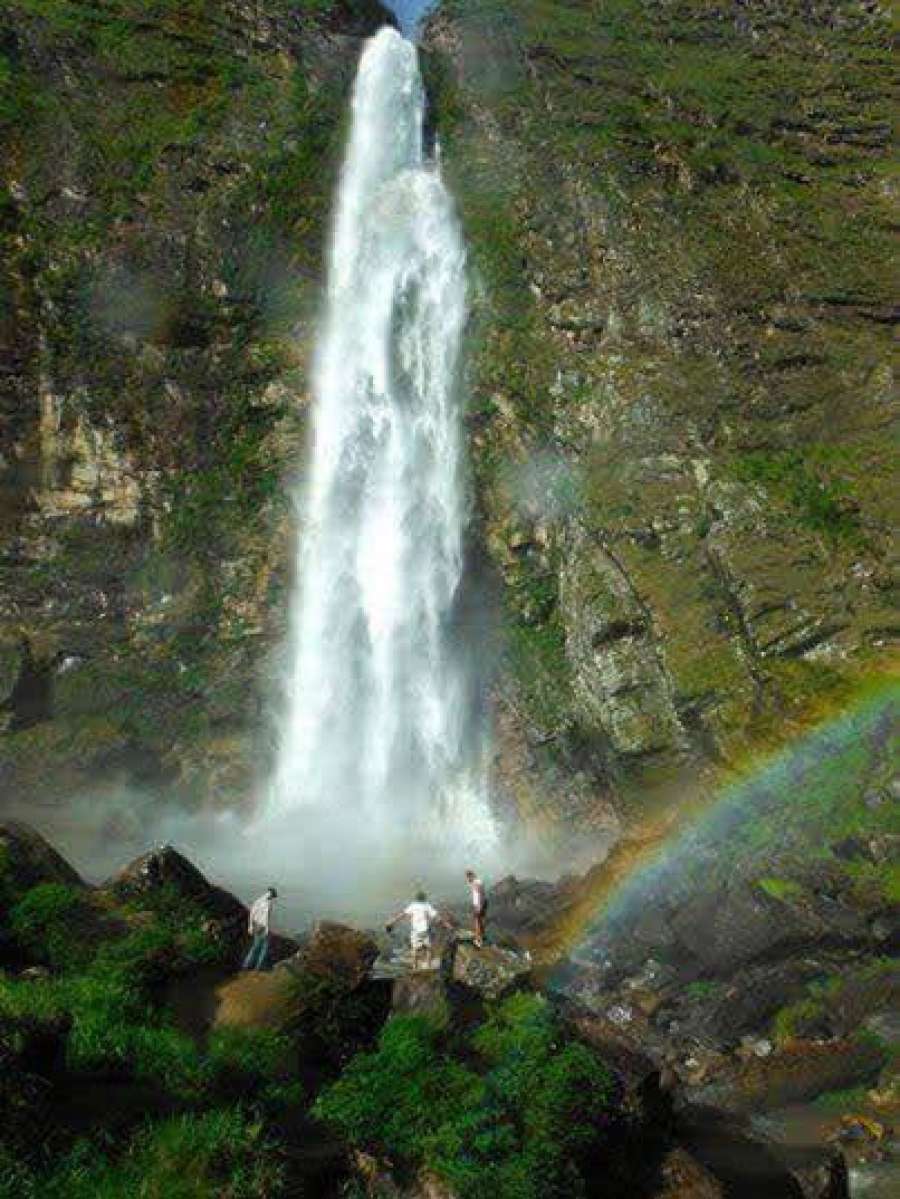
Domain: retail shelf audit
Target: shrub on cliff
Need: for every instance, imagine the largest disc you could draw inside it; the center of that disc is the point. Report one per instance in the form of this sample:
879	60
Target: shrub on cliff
514	1112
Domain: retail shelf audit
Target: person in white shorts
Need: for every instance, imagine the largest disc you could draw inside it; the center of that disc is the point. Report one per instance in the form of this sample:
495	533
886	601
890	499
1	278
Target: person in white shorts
422	915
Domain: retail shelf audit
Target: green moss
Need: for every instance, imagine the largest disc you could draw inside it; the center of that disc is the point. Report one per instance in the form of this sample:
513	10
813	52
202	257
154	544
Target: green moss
703	989
51	922
194	1156
525	1124
853	1099
799	1019
875	882
536	657
818	496
692	217
785	890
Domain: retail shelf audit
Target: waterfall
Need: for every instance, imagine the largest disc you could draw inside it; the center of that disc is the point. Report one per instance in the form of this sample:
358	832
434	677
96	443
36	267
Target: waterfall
379	745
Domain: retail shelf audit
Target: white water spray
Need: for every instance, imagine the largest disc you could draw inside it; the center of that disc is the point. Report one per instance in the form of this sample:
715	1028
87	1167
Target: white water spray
379	749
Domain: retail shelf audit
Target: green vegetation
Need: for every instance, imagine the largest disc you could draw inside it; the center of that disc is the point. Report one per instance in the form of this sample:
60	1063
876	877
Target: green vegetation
703	989
188	160
50	922
104	1006
679	230
840	1000
818	496
804	1018
853	1099
809	798
516	1111
211	1155
875	884
786	890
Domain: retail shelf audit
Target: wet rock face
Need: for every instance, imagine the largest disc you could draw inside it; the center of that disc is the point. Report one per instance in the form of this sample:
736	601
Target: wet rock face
491	971
28	860
160	171
748	1164
681	488
422	993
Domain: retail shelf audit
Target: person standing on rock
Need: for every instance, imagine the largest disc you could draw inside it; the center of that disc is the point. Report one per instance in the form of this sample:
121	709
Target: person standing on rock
259	921
479	907
422	915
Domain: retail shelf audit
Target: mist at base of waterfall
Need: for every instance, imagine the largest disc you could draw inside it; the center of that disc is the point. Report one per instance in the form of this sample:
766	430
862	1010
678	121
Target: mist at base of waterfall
323	869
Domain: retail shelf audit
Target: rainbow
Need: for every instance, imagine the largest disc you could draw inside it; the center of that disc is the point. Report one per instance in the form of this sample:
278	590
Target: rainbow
810	790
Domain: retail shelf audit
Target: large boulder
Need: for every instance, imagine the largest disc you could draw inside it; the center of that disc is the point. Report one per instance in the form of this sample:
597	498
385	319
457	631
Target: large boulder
165	870
523	907
422	993
163	876
749	1164
27	860
683	1177
491	971
731	927
255	1000
334	952
798	1072
322	996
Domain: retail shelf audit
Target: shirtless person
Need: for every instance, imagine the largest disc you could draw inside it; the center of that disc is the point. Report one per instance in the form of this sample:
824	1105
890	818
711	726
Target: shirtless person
422	916
479	907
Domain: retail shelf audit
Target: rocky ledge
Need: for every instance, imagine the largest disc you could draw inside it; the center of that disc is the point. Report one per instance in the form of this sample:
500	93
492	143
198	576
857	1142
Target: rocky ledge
749	1076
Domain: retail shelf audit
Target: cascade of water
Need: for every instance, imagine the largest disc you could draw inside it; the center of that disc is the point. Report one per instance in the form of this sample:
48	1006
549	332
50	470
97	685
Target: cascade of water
378	735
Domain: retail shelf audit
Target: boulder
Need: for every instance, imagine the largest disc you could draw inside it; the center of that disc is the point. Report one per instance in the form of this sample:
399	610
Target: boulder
491	971
683	1177
165	868
750	1165
527	906
800	1071
378	1182
421	993
26	859
335	952
256	1000
727	929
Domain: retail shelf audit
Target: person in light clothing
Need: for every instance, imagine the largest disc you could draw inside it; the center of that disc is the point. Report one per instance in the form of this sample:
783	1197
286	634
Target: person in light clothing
258	925
422	915
479	907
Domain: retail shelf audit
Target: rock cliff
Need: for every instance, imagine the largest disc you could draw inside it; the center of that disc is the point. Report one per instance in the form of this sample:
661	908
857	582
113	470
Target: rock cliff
678	381
678	217
166	180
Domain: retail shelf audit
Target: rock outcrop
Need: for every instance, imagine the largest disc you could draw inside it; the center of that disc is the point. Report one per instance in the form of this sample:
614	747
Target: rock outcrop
680	372
27	860
335	953
491	970
166	179
165	870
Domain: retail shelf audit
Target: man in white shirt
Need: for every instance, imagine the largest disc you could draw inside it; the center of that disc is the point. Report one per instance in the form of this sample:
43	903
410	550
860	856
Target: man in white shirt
422	916
479	907
258	927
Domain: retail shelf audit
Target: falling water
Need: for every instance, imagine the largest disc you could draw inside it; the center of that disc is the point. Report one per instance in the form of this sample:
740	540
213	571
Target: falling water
379	747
